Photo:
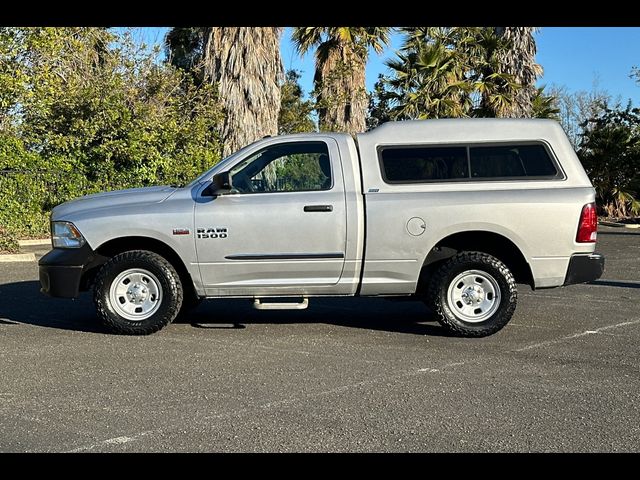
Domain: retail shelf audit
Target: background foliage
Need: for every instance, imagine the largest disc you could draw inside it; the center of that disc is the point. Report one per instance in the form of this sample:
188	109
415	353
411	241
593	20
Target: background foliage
610	153
84	110
295	112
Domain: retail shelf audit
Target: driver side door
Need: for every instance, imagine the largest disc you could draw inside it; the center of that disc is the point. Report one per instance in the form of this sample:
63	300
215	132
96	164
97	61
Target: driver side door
282	228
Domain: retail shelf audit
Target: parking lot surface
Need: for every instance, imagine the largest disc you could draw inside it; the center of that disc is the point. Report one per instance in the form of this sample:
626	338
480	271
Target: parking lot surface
345	375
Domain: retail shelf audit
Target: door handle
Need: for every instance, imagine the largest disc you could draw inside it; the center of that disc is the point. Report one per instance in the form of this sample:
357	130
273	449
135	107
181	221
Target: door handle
318	208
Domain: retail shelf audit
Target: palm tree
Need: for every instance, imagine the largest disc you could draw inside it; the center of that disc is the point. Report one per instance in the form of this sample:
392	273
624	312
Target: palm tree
497	90
544	105
245	64
427	82
341	58
519	61
450	72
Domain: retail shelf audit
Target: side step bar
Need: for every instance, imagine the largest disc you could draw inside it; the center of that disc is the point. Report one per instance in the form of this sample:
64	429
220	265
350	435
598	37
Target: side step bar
258	305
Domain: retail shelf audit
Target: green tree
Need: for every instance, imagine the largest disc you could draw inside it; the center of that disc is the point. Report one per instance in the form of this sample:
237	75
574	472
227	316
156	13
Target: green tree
341	55
610	153
295	112
89	110
451	72
184	49
379	110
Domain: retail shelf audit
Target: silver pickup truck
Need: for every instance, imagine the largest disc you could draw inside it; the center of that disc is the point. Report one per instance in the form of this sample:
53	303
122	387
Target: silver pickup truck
451	212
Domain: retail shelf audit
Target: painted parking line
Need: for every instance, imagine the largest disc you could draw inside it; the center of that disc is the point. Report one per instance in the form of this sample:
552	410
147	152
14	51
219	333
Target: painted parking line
111	441
577	335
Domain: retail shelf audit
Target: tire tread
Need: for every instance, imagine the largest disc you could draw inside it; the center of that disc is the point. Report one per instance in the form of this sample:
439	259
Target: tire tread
439	281
140	258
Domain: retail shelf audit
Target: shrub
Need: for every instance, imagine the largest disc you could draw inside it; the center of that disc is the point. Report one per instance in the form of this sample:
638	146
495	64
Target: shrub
610	153
8	242
84	110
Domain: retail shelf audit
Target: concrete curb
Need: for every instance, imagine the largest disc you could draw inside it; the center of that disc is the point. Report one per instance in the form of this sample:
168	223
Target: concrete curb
619	225
17	257
37	241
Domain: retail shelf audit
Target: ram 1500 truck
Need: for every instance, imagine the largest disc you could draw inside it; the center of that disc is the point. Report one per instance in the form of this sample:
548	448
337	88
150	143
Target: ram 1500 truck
451	212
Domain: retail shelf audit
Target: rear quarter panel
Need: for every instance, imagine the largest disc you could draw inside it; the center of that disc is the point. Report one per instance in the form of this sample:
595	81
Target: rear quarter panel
542	223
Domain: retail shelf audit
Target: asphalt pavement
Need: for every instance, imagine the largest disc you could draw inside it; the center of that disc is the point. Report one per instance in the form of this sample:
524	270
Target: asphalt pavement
345	375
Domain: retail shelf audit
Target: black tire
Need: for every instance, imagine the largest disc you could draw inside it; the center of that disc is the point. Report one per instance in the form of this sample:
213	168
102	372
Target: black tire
449	316
170	296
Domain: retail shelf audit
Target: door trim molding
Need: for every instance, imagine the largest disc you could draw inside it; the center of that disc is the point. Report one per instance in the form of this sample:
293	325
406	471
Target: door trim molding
284	256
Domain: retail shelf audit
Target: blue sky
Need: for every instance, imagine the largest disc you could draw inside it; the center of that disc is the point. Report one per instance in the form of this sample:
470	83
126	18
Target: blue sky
577	57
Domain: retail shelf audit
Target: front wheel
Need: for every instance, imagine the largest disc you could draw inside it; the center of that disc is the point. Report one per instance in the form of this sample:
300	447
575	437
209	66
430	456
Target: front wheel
473	294
137	293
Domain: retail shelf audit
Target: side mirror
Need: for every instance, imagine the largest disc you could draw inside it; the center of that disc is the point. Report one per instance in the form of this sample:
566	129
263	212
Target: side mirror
220	185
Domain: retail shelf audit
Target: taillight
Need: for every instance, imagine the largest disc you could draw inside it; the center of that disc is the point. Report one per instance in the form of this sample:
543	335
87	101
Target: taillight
588	226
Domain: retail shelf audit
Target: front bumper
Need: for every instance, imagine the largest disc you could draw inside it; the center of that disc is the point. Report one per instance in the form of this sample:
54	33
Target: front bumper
584	268
62	270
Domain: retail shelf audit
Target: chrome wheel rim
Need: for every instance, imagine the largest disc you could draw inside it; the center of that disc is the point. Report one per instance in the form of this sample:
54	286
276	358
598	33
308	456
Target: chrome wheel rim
473	296
135	294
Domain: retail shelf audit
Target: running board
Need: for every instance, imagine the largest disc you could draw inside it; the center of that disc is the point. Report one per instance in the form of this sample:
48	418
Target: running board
258	305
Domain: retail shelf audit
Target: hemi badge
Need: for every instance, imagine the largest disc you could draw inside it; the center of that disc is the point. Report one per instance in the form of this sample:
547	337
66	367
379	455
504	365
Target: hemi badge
181	231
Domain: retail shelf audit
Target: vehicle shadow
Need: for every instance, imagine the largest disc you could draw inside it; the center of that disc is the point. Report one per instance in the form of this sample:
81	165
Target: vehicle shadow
615	283
366	313
22	303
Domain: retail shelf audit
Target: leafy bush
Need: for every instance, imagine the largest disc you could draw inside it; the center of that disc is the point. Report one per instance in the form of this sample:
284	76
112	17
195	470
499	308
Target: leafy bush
84	110
25	195
8	242
610	153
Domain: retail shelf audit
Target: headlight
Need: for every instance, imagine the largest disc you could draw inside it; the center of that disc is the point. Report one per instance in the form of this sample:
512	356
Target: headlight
66	235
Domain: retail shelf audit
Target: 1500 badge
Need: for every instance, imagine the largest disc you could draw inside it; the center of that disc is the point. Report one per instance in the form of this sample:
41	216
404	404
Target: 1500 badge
213	232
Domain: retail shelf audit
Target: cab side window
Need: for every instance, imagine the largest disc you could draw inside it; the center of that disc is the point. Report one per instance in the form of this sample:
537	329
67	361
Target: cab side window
287	167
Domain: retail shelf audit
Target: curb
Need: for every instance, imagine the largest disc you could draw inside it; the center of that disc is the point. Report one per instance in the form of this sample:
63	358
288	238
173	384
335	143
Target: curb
619	225
37	241
17	257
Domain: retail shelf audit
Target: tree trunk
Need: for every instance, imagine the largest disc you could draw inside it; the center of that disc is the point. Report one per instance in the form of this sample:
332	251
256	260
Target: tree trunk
342	97
520	62
245	64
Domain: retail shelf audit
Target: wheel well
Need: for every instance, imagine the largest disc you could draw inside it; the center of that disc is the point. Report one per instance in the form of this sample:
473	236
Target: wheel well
479	241
123	244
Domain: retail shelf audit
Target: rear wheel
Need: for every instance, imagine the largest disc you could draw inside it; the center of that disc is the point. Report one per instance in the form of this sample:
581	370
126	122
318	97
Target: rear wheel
473	294
137	293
